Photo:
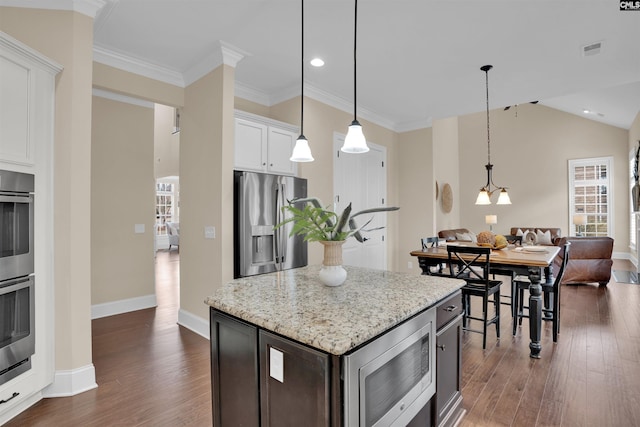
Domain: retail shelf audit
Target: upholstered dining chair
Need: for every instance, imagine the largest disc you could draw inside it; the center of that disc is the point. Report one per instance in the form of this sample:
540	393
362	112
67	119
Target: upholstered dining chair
473	264
522	283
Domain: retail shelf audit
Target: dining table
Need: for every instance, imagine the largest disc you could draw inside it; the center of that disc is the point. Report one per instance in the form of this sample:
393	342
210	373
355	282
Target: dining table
536	262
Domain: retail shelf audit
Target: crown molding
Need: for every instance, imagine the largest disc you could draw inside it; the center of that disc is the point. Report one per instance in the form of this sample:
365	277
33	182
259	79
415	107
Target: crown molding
251	94
222	53
89	8
136	66
227	54
414	125
24	51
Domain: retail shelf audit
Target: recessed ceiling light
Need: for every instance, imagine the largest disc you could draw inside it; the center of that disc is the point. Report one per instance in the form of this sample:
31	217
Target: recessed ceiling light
586	111
317	62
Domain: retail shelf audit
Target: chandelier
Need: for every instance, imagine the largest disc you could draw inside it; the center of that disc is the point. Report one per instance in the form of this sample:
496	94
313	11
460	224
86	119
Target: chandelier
484	197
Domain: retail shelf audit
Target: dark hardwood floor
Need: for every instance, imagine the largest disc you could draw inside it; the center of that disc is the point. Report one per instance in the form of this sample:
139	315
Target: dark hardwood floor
152	372
149	370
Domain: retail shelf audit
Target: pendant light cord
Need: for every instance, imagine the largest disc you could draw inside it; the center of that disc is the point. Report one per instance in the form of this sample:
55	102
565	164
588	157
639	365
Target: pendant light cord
486	72
302	71
355	34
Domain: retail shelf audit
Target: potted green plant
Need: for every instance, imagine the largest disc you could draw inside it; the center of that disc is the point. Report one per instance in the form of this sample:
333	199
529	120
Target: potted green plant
320	224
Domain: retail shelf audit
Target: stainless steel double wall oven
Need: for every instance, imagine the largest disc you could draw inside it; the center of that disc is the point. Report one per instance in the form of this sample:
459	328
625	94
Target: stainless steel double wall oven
17	280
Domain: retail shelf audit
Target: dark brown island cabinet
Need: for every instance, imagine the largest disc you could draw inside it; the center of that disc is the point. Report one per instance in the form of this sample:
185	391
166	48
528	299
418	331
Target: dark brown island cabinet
245	392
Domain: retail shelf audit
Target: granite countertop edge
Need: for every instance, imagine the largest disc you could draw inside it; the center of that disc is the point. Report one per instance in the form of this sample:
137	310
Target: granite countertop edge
336	320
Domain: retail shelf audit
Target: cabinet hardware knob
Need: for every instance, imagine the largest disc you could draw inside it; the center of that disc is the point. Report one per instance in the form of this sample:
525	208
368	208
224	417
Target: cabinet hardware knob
442	347
450	308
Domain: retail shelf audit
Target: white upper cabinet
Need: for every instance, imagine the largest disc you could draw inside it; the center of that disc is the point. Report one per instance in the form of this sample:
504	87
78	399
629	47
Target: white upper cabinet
263	145
26	101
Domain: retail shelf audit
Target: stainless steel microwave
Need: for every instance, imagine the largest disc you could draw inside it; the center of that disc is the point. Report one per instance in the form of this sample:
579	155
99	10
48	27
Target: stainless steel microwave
388	381
16	224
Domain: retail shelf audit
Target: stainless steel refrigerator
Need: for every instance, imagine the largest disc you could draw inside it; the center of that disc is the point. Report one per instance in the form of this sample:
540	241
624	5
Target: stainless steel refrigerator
258	201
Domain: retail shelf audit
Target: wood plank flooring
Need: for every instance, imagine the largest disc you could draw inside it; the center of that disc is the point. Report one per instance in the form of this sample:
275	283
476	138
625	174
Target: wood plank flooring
152	372
149	370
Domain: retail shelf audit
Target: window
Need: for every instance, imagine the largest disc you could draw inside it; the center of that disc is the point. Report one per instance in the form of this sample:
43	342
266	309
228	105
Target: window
166	206
591	193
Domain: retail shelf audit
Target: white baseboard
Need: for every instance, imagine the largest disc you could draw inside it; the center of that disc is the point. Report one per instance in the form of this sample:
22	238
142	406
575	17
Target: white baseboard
71	382
194	323
123	306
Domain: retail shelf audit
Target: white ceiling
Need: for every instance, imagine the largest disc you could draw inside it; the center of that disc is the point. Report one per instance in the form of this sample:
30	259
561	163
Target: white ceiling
418	60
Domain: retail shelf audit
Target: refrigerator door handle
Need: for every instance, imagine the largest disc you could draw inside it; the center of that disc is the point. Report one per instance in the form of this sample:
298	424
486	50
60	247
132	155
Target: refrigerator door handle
282	231
280	237
276	233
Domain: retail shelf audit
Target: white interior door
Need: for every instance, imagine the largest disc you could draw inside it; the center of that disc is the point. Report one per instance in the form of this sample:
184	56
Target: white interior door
360	179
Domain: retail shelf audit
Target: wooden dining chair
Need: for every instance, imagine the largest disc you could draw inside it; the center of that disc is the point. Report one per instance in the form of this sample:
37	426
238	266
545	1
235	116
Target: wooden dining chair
431	242
500	271
522	283
473	264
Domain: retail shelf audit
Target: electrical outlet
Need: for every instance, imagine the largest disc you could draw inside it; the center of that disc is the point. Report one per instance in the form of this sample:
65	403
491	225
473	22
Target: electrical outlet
209	232
276	364
410	265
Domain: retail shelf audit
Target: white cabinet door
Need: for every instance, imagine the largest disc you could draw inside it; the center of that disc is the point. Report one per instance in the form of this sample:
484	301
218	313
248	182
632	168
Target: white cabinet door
17	110
250	146
264	147
280	147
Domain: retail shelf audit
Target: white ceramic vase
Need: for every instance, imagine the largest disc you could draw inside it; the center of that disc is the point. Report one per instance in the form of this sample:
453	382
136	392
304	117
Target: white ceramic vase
332	273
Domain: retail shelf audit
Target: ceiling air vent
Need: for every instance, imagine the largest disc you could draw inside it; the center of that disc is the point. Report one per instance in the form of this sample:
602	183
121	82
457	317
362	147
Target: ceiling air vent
592	49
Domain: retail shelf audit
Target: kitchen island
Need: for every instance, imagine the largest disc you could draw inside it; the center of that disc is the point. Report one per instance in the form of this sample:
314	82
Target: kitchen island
280	341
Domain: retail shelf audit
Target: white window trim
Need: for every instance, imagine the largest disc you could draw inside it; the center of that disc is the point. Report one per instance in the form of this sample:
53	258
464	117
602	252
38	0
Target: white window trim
608	160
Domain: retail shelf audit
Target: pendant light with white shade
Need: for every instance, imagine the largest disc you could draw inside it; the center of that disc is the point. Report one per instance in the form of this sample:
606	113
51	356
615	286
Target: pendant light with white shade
355	142
301	151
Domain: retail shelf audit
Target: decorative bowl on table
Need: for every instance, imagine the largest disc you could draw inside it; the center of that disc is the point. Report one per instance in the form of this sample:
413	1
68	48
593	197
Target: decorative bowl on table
488	239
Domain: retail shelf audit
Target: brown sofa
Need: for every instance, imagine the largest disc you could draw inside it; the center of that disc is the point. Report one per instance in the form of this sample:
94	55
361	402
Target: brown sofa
589	260
555	233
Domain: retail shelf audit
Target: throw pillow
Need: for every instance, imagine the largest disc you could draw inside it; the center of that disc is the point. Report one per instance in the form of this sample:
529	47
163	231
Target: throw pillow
470	236
543	238
520	232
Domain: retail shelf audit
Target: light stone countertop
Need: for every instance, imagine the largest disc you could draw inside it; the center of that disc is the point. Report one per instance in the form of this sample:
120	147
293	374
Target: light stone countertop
295	304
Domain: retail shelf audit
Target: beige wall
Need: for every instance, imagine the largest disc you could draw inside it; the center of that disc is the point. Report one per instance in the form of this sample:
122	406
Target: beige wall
67	38
416	180
206	188
123	195
123	82
530	153
446	170
166	151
